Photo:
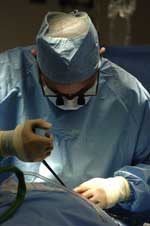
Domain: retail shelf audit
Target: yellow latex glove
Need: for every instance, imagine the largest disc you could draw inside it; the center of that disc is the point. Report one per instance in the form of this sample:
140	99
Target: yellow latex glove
24	143
105	193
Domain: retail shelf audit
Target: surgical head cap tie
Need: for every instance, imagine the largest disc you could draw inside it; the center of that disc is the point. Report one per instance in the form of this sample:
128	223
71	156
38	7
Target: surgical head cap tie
68	47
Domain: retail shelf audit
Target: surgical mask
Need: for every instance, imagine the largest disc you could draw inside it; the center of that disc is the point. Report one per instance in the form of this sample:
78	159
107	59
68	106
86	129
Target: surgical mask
73	104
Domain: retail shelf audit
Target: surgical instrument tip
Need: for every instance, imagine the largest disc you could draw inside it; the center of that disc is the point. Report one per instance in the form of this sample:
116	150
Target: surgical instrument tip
52	171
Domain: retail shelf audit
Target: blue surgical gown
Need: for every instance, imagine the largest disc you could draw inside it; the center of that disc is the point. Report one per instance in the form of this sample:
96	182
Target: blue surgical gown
55	205
107	137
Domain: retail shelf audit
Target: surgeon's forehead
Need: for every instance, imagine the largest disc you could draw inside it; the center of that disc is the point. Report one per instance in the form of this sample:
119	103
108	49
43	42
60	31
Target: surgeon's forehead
91	78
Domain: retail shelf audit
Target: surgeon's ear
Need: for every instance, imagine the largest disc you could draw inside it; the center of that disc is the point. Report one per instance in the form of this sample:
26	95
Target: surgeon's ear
102	51
34	52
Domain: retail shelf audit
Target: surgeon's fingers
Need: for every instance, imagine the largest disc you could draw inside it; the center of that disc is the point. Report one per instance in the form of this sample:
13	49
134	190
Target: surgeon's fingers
30	126
99	204
94	200
38	151
42	156
43	140
39	123
50	136
87	194
37	146
80	189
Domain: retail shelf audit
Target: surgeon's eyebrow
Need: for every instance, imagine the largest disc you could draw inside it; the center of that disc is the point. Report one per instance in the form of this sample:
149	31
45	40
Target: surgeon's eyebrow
51	84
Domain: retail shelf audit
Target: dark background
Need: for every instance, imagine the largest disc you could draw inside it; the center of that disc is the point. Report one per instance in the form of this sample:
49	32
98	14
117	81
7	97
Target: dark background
20	21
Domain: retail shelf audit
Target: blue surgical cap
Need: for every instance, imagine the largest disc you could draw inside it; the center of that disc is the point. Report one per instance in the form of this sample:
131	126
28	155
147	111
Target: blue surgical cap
68	47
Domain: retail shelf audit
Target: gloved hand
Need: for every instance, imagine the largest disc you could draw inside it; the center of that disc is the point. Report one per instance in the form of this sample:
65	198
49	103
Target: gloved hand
24	143
105	193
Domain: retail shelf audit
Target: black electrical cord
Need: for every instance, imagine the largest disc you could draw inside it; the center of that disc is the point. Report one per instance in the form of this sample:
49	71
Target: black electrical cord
8	213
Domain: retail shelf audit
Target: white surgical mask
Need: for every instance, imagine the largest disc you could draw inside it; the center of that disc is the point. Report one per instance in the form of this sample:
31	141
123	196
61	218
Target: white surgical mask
73	103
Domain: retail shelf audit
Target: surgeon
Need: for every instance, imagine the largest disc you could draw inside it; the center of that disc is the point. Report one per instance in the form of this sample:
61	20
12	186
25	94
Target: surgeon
100	113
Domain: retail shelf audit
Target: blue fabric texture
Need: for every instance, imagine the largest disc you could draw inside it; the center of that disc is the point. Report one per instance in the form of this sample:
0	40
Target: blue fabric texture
134	59
109	136
56	206
62	60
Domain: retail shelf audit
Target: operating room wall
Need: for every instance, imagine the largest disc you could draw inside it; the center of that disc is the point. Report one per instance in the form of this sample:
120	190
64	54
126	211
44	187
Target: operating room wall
20	20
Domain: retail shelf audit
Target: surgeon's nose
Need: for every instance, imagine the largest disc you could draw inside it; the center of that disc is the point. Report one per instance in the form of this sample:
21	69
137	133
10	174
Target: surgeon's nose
70	96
